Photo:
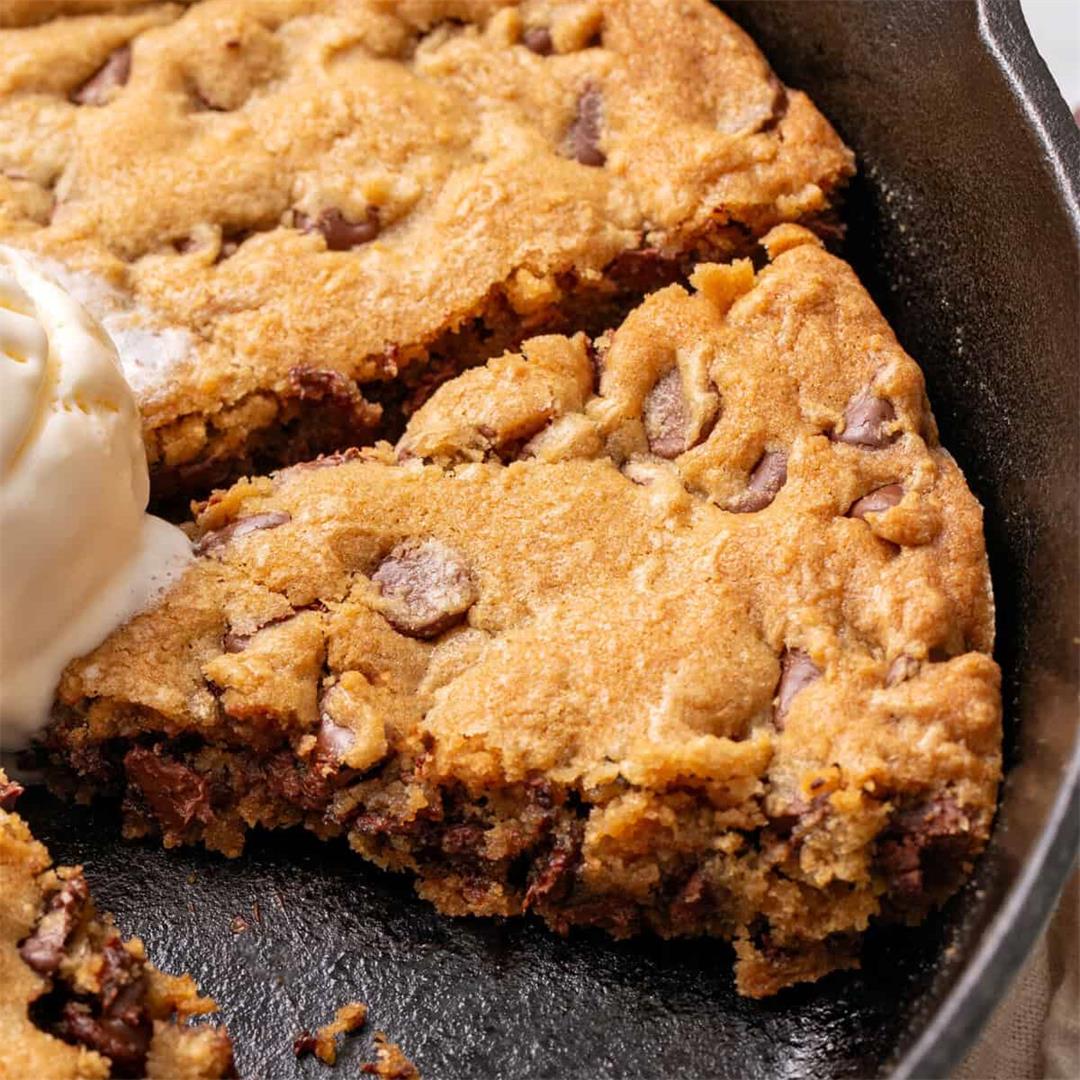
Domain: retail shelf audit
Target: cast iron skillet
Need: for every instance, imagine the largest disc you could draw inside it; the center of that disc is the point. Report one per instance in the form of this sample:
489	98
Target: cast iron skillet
964	224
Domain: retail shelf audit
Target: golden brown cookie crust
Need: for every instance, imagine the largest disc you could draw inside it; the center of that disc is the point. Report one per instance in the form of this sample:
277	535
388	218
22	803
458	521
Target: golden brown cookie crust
688	630
275	205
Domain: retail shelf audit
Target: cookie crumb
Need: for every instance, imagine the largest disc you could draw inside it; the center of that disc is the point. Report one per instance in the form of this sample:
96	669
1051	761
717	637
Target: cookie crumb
323	1044
390	1063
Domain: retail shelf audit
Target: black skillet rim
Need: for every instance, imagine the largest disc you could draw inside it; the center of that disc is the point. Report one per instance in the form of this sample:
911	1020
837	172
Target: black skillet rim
1027	907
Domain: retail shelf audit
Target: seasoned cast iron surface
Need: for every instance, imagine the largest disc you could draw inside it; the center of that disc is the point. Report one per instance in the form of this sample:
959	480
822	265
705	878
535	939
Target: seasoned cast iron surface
960	235
464	997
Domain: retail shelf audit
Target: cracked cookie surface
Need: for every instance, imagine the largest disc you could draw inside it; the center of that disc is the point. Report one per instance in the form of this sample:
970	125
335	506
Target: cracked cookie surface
711	660
278	208
78	1002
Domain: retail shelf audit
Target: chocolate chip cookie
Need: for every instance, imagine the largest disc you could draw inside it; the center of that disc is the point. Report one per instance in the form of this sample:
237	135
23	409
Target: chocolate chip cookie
76	1000
685	629
296	218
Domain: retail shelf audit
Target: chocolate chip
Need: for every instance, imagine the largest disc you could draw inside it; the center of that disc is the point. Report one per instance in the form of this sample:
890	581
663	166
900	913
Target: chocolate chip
177	795
340	232
797	672
352	416
334	741
583	136
551	875
767	477
879	500
800	817
10	790
44	948
537	39
319	384
329	461
864	422
113	73
778	108
596	351
218	538
666	415
120	971
427	587
904	667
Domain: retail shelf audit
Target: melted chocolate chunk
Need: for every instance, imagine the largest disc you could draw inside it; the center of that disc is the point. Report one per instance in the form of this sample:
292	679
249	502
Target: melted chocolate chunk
691	902
644	270
213	541
879	500
176	794
923	849
797	672
319	384
340	232
551	876
767	477
427	586
121	1033
583	136
865	419
537	39
667	417
329	461
801	817
113	73
122	1029
44	948
309	786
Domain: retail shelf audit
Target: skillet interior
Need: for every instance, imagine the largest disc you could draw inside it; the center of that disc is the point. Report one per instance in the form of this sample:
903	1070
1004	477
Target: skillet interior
965	235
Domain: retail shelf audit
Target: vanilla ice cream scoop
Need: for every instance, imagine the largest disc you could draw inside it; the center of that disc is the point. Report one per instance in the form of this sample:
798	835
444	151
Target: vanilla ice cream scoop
79	555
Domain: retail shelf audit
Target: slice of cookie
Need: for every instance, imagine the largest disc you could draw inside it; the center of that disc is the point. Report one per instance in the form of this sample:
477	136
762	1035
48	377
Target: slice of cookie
77	1000
687	632
295	218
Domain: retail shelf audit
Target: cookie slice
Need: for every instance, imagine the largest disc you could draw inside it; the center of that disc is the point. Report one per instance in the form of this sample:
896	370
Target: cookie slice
685	631
295	218
77	1000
